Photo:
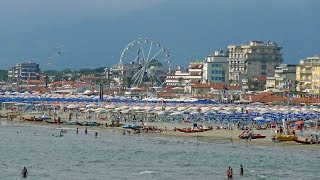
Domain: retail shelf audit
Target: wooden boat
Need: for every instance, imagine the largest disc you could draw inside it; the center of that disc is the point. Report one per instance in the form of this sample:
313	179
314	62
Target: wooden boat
53	121
117	124
283	137
31	119
305	141
248	134
189	130
254	136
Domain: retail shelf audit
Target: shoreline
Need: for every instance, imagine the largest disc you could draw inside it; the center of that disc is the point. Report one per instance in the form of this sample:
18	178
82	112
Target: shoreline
222	136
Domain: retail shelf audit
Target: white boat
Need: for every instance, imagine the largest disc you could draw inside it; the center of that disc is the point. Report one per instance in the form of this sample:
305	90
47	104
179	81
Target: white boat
45	116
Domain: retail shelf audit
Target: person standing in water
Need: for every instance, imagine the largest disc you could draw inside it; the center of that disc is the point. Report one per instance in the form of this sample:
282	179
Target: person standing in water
77	130
229	173
24	172
241	170
86	131
96	134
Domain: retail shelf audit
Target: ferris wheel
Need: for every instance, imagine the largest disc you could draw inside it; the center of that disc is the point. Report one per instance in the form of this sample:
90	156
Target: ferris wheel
143	61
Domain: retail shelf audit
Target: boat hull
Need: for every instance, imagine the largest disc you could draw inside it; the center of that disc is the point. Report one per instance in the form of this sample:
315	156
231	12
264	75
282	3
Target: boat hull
305	142
91	124
255	136
189	130
285	137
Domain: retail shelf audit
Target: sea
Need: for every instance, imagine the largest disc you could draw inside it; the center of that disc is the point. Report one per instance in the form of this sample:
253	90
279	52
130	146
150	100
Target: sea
112	155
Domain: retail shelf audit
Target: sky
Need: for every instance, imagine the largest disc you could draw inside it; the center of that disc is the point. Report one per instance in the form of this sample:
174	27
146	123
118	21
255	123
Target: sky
93	33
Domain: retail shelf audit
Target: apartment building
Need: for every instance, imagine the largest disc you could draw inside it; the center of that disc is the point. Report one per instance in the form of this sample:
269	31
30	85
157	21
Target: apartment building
247	61
285	77
216	68
308	75
24	71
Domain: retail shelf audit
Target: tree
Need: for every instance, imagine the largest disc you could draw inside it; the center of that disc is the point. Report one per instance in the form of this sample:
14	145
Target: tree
180	80
155	62
128	82
3	75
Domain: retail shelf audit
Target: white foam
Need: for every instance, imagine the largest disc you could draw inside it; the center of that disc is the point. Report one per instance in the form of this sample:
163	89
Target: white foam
146	172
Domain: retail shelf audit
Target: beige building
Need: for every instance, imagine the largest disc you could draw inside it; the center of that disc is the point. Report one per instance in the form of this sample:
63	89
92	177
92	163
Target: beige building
247	61
308	75
271	83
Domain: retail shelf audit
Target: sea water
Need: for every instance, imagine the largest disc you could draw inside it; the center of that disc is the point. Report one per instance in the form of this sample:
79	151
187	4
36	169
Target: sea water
115	156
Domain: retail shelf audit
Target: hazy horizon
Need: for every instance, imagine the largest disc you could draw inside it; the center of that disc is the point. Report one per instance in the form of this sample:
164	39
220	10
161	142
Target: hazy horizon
93	33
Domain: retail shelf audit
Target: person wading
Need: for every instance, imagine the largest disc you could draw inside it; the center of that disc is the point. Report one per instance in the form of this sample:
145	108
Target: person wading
24	172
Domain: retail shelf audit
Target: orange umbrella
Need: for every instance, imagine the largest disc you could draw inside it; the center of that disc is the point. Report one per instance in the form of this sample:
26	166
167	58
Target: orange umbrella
300	122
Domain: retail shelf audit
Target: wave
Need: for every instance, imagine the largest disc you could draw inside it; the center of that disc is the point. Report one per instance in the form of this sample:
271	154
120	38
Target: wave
146	172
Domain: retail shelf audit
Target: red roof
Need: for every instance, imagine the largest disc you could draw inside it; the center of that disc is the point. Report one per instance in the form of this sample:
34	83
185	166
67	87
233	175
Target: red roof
216	86
260	78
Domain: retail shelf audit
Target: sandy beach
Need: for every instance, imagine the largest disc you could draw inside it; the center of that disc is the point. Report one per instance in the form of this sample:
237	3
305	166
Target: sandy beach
222	135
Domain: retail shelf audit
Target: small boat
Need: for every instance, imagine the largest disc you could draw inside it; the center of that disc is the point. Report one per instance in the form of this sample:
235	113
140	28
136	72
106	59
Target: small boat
132	126
254	136
248	134
305	141
189	130
283	137
44	117
91	124
71	123
53	121
31	119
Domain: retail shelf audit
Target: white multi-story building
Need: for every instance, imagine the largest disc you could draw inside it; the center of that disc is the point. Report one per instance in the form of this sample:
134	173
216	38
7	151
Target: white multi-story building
216	68
178	78
181	78
247	61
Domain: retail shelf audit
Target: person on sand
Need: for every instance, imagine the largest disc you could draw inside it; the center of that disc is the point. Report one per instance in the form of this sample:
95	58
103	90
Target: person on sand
241	170
24	172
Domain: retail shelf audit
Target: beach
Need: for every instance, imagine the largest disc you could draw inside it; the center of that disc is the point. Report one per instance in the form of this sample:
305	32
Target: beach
167	130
